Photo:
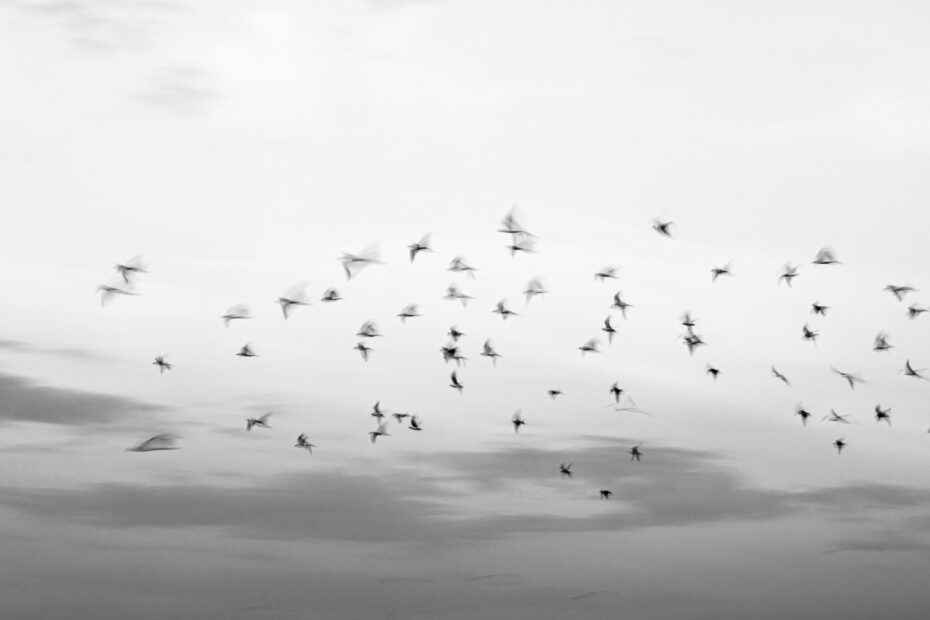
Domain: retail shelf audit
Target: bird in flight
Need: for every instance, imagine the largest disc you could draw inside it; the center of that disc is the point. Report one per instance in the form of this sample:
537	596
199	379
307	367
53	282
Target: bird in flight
899	291
420	246
453	292
693	341
883	414
839	444
713	371
369	329
246	351
488	351
663	228
455	382
353	263
911	372
294	297
533	288
330	295
635	453
130	268
589	347
616	391
376	411
606	493
554	393
460	264
409	311
502	310
619	303
415	424
801	411
609	329
381	431
455	334
400	417
808	334
259	421
850	378
881	342
789	272
303	443
688	321
716	272
364	349
817	308
162	364
162	441
517	421
778	375
565	470
107	292
239	311
511	226
825	256
607	272
914	311
521	244
835	417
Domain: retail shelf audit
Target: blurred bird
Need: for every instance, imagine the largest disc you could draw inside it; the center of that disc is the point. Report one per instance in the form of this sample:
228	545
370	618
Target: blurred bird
825	256
606	493
460	264
354	263
716	272
780	376
453	293
239	311
712	371
607	272
688	321
663	228
835	417
554	393
693	341
369	329
376	411
805	415
840	444
883	414
455	334
381	431
365	350
565	470
303	443
415	424
789	272
488	351
635	453
881	342
162	441
420	246
409	311
899	291
162	364
259	421
589	347
911	372
502	310
130	268
455	382
295	296
400	417
808	334
330	295
107	292
816	308
619	303
914	311
533	288
616	391
850	378
521	244
246	351
517	421
511	226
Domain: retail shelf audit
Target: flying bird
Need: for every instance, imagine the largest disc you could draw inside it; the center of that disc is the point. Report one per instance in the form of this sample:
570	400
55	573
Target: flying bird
899	291
825	256
239	311
619	303
662	227
455	382
415	424
517	421
511	226
455	334
801	411
521	244
716	272
789	272
554	393
400	417
488	351
914	311
881	342
381	431
294	297
107	292
911	372
808	334
590	346
713	371
609	329
835	417
330	295
607	272
565	470
850	378
162	364
369	329
780	376
839	444
460	264
354	263
502	310
246	351
376	411
130	268
635	453
454	293
420	246
606	493
162	441
883	414
616	391
364	349
303	443
259	421
817	308
533	288
409	311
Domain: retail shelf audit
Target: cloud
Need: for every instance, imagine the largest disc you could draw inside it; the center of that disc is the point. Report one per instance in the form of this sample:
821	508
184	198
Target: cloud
180	90
18	346
22	400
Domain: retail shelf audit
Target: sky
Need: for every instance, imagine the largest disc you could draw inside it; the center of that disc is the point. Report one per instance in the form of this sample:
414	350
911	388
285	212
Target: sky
241	148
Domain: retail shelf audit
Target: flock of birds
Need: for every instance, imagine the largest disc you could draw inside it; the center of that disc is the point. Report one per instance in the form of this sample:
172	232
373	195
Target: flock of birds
520	240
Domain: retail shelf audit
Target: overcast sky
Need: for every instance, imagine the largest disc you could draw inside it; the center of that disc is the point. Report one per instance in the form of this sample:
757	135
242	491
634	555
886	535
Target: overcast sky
242	147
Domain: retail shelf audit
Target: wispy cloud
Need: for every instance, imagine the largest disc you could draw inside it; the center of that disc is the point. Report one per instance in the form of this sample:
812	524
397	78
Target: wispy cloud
18	346
180	90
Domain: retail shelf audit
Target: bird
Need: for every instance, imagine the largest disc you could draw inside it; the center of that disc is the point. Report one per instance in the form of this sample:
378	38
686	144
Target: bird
353	263
606	493
236	312
381	431
455	334
369	329
130	268
409	311
453	293
801	411
376	411
850	378
509	225
107	292
488	351
635	453
554	393
259	421
565	470
420	246
607	272
590	346
616	391
789	272
455	382
619	303
914	311
840	444
808	334
533	288
778	375
881	342
502	310
162	364
716	272
517	421
400	417
835	417
713	371
330	295
911	372
609	329
162	441
460	264
364	349
825	256
246	351
662	227
817	308
693	341
294	297
415	424
883	414
521	244
303	443
899	291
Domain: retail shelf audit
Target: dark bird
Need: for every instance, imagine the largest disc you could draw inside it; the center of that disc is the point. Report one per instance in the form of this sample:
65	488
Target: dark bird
713	372
590	346
716	272
488	351
619	303
825	256
353	263
294	297
239	311
662	227
816	308
107	292
415	424
454	293
521	244
460	264
130	268
688	321
808	334
303	443
778	375
330	295
455	334
364	349
693	341
609	329
911	372
533	288
409	311
511	226
376	412
840	444
163	441
502	310
606	493
455	382
616	391
565	470
381	431
789	272
162	364
607	272
369	329
881	342
449	352
899	291
835	417
246	351
635	453
554	393
517	421
259	421
400	417
850	378
883	414
801	411
420	246
914	311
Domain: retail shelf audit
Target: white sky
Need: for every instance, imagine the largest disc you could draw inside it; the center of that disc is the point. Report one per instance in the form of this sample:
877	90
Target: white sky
241	148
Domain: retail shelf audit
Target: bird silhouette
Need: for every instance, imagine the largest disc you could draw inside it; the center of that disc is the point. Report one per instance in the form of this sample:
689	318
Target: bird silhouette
565	470
294	297
455	382
533	288
131	268
259	421
910	371
381	431
369	329
454	293
354	263
246	351
663	228
554	393
460	264
789	273
162	441
899	291
716	272
808	334
488	351
616	391
835	417
108	292
400	417
817	308
825	256
713	372
330	295
364	349
606	493
635	453
409	311
303	443
590	346
881	342
609	329
239	311
502	310
517	421
851	379
883	414
803	413
780	376
607	272
914	311
420	246
415	424
839	444
620	304
455	334
162	364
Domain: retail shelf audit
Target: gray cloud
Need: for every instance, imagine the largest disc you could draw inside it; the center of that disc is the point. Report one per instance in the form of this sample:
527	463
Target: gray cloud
180	90
18	346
